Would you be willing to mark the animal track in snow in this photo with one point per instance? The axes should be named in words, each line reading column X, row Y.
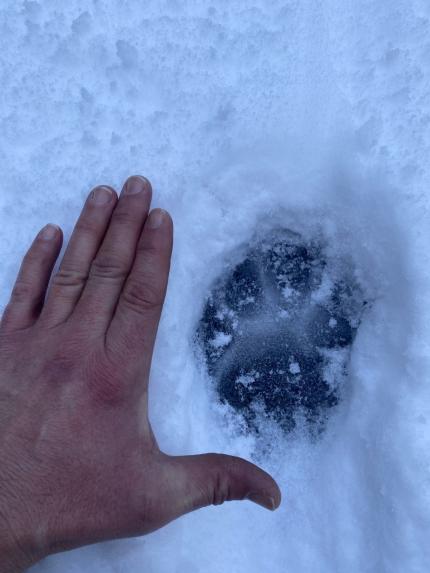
column 277, row 329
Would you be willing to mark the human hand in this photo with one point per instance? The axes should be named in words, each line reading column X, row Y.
column 79, row 461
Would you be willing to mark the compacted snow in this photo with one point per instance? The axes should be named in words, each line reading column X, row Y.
column 298, row 124
column 276, row 332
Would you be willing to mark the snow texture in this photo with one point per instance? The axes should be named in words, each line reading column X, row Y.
column 249, row 116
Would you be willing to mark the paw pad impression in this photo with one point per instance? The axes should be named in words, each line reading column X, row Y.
column 277, row 328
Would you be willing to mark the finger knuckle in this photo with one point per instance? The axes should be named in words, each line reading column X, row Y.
column 36, row 255
column 123, row 217
column 148, row 249
column 85, row 227
column 66, row 278
column 108, row 267
column 142, row 297
column 22, row 291
column 221, row 489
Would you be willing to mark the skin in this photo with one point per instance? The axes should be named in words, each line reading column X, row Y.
column 79, row 461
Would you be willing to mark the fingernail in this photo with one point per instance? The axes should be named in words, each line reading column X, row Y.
column 49, row 232
column 265, row 501
column 156, row 218
column 102, row 195
column 135, row 185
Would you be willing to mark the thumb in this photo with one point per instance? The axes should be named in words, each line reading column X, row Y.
column 212, row 479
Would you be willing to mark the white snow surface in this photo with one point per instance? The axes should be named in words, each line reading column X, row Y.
column 313, row 115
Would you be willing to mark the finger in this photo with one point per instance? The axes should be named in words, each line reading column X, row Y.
column 29, row 291
column 134, row 325
column 193, row 482
column 67, row 285
column 115, row 257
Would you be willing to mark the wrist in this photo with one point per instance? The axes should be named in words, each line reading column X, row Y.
column 15, row 556
column 16, row 549
column 10, row 561
column 11, row 558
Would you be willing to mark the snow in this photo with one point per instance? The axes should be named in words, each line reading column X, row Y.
column 221, row 340
column 312, row 116
column 295, row 368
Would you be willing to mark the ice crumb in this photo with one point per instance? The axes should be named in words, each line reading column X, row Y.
column 221, row 339
column 294, row 368
column 245, row 379
column 287, row 292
